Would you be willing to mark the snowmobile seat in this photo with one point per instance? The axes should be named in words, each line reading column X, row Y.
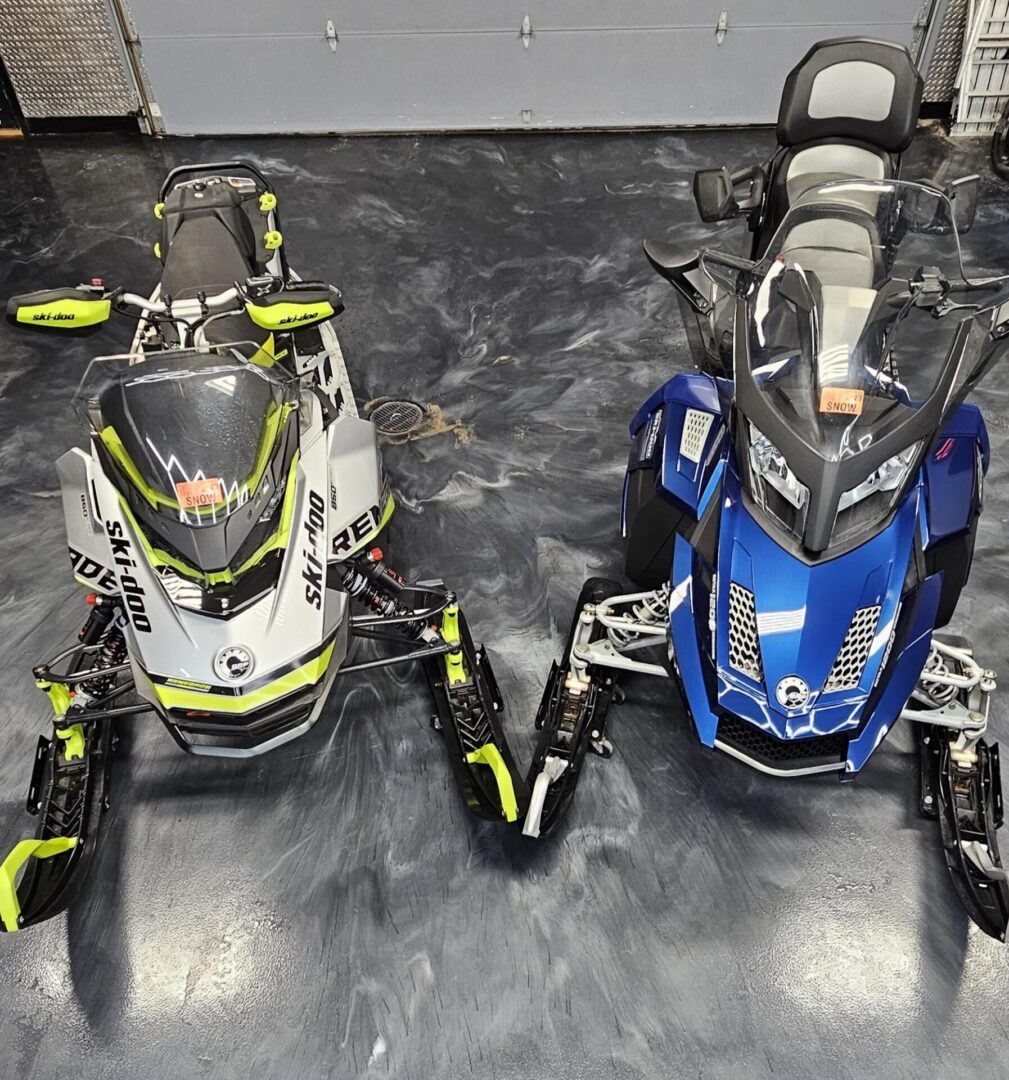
column 208, row 243
column 207, row 238
column 848, row 110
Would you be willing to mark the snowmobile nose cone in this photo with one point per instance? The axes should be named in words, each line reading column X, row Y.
column 792, row 692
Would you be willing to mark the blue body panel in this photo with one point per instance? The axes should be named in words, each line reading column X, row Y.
column 949, row 471
column 803, row 610
column 683, row 481
column 903, row 668
column 807, row 609
column 686, row 647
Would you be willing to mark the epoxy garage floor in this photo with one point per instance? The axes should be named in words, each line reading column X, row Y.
column 330, row 910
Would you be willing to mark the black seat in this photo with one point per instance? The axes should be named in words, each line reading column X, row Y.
column 848, row 110
column 207, row 244
column 207, row 239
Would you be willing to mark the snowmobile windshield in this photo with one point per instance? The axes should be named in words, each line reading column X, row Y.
column 842, row 339
column 198, row 444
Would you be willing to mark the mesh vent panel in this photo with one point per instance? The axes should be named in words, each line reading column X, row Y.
column 696, row 425
column 850, row 662
column 744, row 647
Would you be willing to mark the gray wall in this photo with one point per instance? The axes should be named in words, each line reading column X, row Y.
column 250, row 66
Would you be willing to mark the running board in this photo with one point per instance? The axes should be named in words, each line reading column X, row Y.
column 469, row 710
column 963, row 789
column 569, row 723
column 69, row 791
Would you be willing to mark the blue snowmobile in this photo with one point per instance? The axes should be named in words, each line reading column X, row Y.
column 799, row 515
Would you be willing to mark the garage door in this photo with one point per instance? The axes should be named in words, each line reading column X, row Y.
column 250, row 66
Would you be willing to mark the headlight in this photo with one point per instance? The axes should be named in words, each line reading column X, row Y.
column 888, row 477
column 773, row 485
column 866, row 503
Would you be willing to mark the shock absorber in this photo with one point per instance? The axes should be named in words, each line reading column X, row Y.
column 650, row 610
column 111, row 654
column 367, row 592
column 371, row 581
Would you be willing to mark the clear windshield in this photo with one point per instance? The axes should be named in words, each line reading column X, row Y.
column 836, row 342
column 191, row 432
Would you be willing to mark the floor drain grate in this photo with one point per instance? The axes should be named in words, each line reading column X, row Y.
column 397, row 417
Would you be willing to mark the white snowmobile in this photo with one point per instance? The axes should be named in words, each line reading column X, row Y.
column 223, row 518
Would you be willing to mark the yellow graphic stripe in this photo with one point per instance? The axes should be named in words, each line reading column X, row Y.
column 10, row 909
column 64, row 314
column 490, row 755
column 277, row 541
column 306, row 675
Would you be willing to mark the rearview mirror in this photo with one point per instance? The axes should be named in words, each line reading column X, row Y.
column 713, row 194
column 76, row 310
column 295, row 308
column 962, row 195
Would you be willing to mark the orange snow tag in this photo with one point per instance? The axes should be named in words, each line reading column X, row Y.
column 839, row 399
column 196, row 493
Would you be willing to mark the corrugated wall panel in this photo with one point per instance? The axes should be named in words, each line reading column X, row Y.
column 64, row 58
column 248, row 66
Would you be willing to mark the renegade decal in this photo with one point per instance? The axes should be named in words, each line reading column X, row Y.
column 132, row 590
column 85, row 567
column 357, row 531
column 315, row 527
column 188, row 684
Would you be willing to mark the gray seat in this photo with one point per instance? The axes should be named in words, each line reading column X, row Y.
column 848, row 110
column 838, row 251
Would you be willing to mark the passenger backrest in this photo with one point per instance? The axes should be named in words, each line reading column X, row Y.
column 852, row 89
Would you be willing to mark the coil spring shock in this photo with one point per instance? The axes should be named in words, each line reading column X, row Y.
column 935, row 691
column 111, row 654
column 359, row 586
column 652, row 609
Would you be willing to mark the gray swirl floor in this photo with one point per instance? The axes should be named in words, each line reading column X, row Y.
column 330, row 910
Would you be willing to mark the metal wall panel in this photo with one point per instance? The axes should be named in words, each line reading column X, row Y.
column 943, row 61
column 249, row 66
column 65, row 58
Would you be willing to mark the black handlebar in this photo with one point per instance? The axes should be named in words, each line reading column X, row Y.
column 723, row 258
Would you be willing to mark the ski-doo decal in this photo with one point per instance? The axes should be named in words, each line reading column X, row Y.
column 133, row 592
column 313, row 550
column 233, row 666
column 62, row 309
